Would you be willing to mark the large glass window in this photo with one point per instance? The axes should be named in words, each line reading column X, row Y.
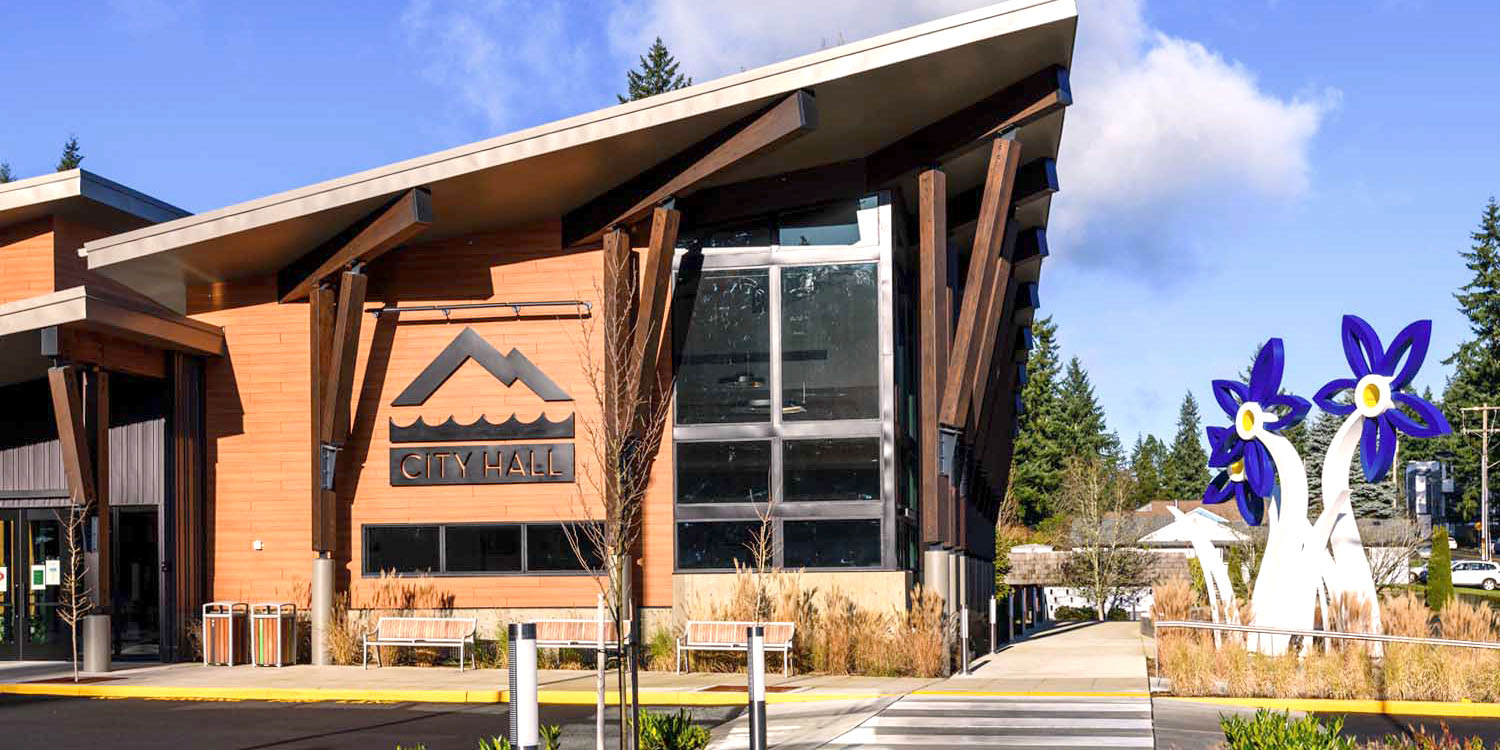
column 725, row 373
column 829, row 224
column 483, row 549
column 728, row 472
column 403, row 549
column 830, row 342
column 548, row 548
column 715, row 545
column 831, row 469
column 832, row 544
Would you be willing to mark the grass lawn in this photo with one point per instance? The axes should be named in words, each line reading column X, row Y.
column 1492, row 597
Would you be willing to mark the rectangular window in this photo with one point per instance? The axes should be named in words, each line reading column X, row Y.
column 715, row 545
column 832, row 544
column 748, row 233
column 829, row 224
column 729, row 472
column 831, row 469
column 403, row 549
column 725, row 373
column 547, row 548
column 830, row 335
column 482, row 549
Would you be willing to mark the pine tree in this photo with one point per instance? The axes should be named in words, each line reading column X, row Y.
column 5, row 174
column 1146, row 463
column 1186, row 468
column 71, row 157
column 657, row 74
column 1370, row 499
column 1082, row 429
column 1476, row 363
column 1036, row 468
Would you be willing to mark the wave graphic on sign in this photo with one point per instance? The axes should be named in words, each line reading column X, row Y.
column 481, row 429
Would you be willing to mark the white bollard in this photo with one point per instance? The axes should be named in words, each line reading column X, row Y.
column 523, row 692
column 963, row 626
column 994, row 630
column 757, row 676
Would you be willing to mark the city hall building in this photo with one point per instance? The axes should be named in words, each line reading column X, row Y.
column 826, row 269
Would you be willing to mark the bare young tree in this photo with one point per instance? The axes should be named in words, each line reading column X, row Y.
column 76, row 601
column 1106, row 565
column 622, row 443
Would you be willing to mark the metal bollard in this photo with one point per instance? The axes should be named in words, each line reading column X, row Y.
column 523, row 693
column 994, row 629
column 757, row 675
column 963, row 628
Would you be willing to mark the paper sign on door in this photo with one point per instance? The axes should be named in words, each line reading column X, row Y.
column 54, row 572
column 38, row 577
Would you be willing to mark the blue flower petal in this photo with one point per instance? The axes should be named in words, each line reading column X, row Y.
column 1295, row 410
column 1224, row 446
column 1230, row 394
column 1377, row 447
column 1265, row 374
column 1218, row 489
column 1260, row 474
column 1326, row 395
column 1361, row 346
column 1252, row 508
column 1410, row 343
column 1433, row 423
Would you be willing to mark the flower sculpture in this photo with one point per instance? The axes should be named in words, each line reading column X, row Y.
column 1257, row 409
column 1376, row 388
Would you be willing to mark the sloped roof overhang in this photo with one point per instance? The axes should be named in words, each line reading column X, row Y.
column 96, row 309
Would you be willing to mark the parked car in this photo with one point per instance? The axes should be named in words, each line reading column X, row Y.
column 1425, row 551
column 1485, row 575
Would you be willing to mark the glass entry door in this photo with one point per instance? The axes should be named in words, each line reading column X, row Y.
column 32, row 553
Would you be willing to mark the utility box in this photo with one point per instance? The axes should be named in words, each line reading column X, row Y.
column 225, row 633
column 273, row 628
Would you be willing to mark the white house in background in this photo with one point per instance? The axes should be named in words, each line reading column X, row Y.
column 1219, row 530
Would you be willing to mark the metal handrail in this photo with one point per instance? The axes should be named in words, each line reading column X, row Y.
column 1222, row 627
column 515, row 307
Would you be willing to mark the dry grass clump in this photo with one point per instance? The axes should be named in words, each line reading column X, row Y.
column 394, row 595
column 1173, row 600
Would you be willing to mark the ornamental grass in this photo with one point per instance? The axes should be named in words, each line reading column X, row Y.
column 1339, row 669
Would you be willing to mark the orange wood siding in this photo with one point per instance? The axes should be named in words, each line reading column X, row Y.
column 26, row 260
column 258, row 417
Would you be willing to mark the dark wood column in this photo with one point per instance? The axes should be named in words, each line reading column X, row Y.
column 186, row 512
column 934, row 322
column 320, row 332
column 97, row 397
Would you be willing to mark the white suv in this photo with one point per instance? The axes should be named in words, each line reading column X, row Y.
column 1485, row 575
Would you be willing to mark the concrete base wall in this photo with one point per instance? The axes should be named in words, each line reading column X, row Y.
column 694, row 595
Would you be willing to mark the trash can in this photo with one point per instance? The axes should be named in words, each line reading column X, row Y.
column 273, row 626
column 225, row 632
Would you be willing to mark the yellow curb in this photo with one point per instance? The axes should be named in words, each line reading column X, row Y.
column 1463, row 709
column 310, row 695
column 1037, row 693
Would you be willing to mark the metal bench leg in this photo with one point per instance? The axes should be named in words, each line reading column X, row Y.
column 786, row 663
column 364, row 654
column 460, row 657
column 679, row 657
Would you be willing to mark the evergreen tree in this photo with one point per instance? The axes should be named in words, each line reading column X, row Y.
column 1370, row 499
column 1476, row 364
column 1186, row 468
column 657, row 74
column 1147, row 461
column 1439, row 571
column 1082, row 431
column 71, row 157
column 1036, row 467
column 5, row 174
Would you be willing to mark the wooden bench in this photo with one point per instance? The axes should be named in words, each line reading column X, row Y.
column 439, row 632
column 576, row 634
column 708, row 635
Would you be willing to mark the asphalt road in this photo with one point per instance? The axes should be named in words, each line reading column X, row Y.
column 92, row 724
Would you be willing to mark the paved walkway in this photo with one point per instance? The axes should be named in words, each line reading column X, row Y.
column 946, row 721
column 1097, row 657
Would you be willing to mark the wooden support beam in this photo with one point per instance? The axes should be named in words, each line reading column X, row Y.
column 618, row 295
column 1012, row 107
column 67, row 408
column 655, row 303
column 338, row 382
column 98, row 411
column 1032, row 183
column 1005, row 155
column 790, row 190
column 363, row 242
column 934, row 321
column 1000, row 307
column 627, row 204
column 320, row 334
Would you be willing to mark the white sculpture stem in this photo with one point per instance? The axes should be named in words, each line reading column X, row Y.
column 1336, row 527
column 1284, row 596
column 1215, row 573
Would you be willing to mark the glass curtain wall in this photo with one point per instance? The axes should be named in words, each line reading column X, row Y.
column 784, row 388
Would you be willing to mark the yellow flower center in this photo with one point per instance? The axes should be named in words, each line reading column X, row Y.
column 1238, row 467
column 1370, row 394
column 1247, row 420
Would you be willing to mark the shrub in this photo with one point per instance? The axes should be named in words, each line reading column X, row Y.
column 661, row 650
column 493, row 743
column 674, row 731
column 1439, row 572
column 1424, row 741
column 551, row 735
column 1269, row 730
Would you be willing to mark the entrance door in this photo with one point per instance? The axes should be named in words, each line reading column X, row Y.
column 31, row 549
column 136, row 590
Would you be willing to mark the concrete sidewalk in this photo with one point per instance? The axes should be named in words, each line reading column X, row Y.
column 424, row 684
column 1065, row 658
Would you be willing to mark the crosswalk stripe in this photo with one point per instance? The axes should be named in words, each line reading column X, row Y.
column 943, row 722
column 996, row 722
column 1143, row 707
column 868, row 738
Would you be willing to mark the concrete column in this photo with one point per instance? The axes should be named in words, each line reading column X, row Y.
column 97, row 648
column 935, row 573
column 322, row 607
column 955, row 596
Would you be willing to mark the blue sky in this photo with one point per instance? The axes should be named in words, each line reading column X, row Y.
column 1232, row 170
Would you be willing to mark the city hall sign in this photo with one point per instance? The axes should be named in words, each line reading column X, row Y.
column 499, row 463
